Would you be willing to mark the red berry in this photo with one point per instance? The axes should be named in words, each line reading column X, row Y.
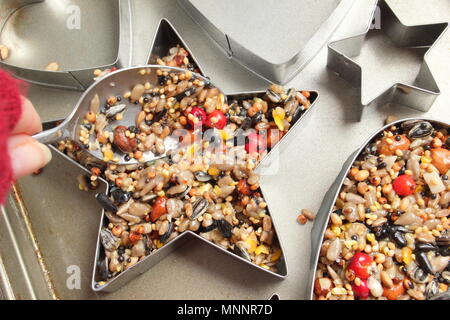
column 360, row 264
column 216, row 119
column 404, row 185
column 198, row 117
column 256, row 143
column 362, row 291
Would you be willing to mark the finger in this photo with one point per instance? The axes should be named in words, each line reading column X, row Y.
column 27, row 155
column 29, row 122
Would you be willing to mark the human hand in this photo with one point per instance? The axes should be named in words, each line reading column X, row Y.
column 27, row 155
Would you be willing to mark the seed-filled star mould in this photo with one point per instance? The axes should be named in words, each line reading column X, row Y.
column 208, row 188
column 422, row 93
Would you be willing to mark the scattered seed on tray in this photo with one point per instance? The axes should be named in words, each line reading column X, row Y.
column 302, row 219
column 38, row 172
column 390, row 119
column 309, row 214
column 4, row 52
column 53, row 66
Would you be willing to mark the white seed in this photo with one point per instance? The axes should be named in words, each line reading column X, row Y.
column 375, row 287
column 137, row 92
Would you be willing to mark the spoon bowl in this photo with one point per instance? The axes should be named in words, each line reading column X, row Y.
column 116, row 83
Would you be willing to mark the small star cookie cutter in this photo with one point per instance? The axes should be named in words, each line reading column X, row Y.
column 422, row 93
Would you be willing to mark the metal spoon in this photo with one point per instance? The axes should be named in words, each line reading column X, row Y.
column 113, row 84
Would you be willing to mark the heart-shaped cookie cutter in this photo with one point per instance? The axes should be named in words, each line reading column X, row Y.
column 70, row 79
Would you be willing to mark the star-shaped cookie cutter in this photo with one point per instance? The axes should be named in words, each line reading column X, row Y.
column 419, row 96
column 165, row 38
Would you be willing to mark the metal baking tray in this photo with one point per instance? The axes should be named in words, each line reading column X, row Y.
column 43, row 255
column 321, row 221
column 36, row 264
column 299, row 27
column 98, row 37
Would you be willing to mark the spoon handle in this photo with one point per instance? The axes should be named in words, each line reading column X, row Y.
column 50, row 136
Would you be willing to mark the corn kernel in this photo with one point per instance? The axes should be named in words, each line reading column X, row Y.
column 262, row 249
column 406, row 255
column 213, row 171
column 276, row 256
column 370, row 237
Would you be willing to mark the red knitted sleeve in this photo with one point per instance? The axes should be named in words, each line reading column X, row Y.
column 10, row 110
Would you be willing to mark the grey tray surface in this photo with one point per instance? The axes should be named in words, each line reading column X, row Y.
column 307, row 168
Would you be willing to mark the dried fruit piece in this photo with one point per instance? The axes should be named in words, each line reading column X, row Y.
column 278, row 116
column 124, row 143
column 389, row 145
column 393, row 293
column 158, row 209
column 244, row 188
column 261, row 249
column 135, row 237
column 434, row 182
column 441, row 159
column 251, row 242
column 106, row 202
